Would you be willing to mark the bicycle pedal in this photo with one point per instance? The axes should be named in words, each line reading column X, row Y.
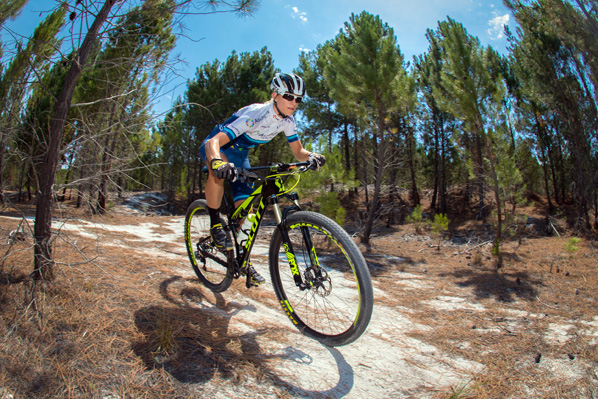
column 199, row 256
column 250, row 284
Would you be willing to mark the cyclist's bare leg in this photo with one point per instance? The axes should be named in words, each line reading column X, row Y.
column 215, row 188
column 214, row 191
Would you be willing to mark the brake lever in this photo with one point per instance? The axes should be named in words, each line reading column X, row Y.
column 246, row 176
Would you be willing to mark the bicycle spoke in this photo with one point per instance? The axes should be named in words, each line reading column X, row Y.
column 209, row 264
column 332, row 302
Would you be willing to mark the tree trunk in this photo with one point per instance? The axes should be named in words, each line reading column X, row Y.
column 347, row 147
column 67, row 177
column 109, row 148
column 30, row 180
column 43, row 260
column 21, row 178
column 2, row 147
column 356, row 159
column 498, row 236
column 379, row 147
column 442, row 174
column 411, row 152
column 436, row 158
column 546, row 184
column 105, row 170
column 479, row 174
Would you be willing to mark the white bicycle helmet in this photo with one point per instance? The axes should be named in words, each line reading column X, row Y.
column 283, row 83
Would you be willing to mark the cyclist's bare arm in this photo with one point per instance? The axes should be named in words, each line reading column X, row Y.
column 300, row 153
column 213, row 146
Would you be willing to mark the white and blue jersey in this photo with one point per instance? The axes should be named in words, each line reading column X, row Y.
column 249, row 127
column 255, row 125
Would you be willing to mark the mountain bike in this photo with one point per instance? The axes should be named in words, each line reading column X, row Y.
column 319, row 275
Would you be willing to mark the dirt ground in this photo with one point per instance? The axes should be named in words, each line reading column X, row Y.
column 126, row 317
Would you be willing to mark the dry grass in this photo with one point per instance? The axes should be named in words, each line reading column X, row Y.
column 120, row 324
column 506, row 317
column 115, row 323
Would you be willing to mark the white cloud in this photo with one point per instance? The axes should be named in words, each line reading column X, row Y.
column 299, row 14
column 304, row 49
column 497, row 25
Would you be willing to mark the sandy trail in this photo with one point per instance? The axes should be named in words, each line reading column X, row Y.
column 384, row 362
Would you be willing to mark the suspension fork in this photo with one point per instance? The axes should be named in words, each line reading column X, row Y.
column 281, row 218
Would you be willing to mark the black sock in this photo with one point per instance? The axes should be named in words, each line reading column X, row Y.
column 214, row 216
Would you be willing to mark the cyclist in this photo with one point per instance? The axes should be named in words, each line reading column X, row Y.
column 227, row 147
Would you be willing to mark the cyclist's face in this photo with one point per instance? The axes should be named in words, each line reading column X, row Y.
column 287, row 107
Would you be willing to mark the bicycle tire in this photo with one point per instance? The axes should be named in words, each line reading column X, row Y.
column 338, row 311
column 211, row 266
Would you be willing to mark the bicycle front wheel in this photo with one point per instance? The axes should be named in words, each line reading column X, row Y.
column 210, row 265
column 335, row 303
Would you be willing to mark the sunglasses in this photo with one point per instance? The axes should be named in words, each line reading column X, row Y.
column 290, row 97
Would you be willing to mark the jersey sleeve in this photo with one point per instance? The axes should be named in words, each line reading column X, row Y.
column 290, row 131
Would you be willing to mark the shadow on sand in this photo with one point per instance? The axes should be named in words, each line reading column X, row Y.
column 191, row 340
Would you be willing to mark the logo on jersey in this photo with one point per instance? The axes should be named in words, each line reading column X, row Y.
column 250, row 123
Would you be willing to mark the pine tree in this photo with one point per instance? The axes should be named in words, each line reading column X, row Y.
column 559, row 88
column 364, row 65
column 9, row 9
column 472, row 89
column 29, row 61
column 437, row 125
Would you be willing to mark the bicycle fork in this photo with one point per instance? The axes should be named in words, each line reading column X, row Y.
column 313, row 272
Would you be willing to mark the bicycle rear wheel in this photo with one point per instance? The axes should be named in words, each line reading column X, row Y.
column 210, row 265
column 336, row 303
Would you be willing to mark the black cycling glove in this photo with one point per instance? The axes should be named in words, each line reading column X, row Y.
column 224, row 170
column 316, row 161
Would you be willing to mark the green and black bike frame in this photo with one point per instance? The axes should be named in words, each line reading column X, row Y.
column 270, row 192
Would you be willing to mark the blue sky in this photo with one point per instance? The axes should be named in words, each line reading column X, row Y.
column 288, row 27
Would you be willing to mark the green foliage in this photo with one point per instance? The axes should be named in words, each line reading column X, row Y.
column 461, row 391
column 332, row 174
column 417, row 218
column 9, row 9
column 526, row 122
column 572, row 246
column 363, row 72
column 439, row 226
column 352, row 73
column 331, row 177
column 165, row 334
column 510, row 179
column 324, row 115
column 528, row 165
column 331, row 207
column 32, row 131
column 554, row 65
column 440, row 223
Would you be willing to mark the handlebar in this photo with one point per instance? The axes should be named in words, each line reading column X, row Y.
column 248, row 174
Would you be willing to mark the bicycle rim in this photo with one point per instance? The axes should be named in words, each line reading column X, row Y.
column 337, row 306
column 210, row 265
